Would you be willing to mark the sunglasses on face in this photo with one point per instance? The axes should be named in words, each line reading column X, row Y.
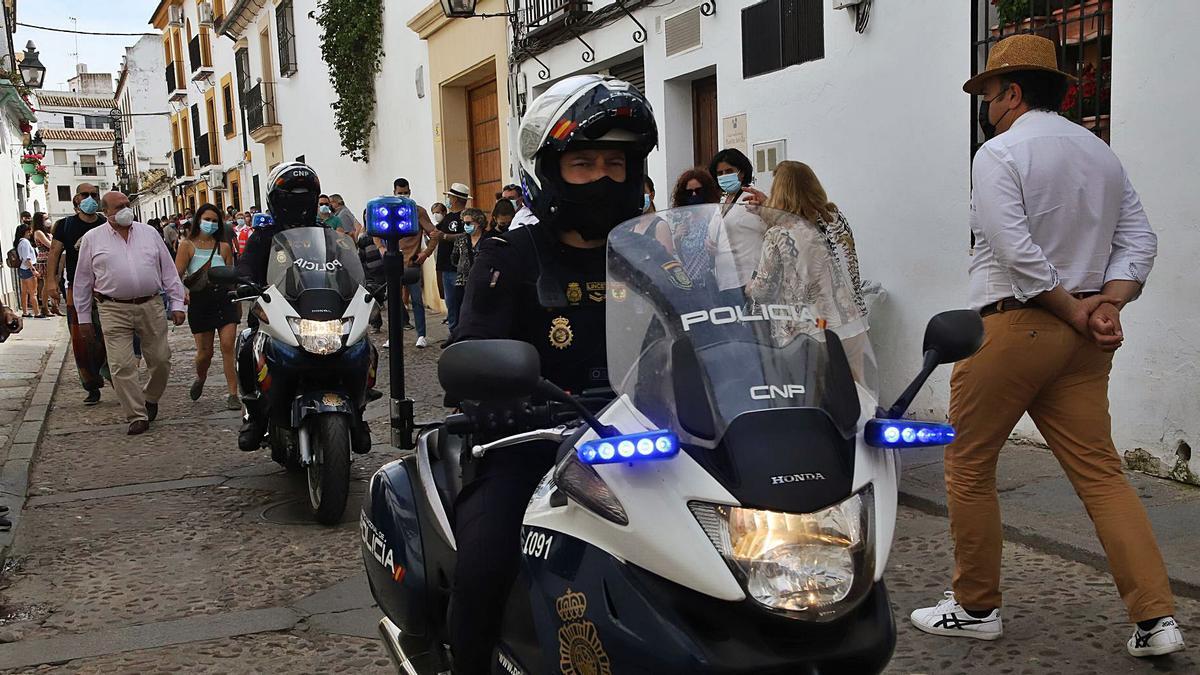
column 695, row 192
column 93, row 195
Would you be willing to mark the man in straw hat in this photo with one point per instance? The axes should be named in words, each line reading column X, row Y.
column 451, row 228
column 1062, row 246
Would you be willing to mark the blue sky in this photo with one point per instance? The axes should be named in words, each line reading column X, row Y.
column 101, row 54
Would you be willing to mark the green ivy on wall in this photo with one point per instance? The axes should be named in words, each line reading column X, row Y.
column 352, row 46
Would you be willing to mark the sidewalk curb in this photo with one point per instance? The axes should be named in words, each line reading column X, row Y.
column 1043, row 543
column 14, row 476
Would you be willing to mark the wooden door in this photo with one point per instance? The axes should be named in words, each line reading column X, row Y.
column 484, row 120
column 704, row 119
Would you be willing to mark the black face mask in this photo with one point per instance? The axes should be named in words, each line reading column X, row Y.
column 592, row 209
column 985, row 124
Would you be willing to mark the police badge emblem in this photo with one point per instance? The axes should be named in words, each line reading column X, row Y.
column 580, row 651
column 677, row 276
column 281, row 257
column 561, row 335
column 574, row 293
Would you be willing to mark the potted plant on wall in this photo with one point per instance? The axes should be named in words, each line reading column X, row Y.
column 39, row 174
column 30, row 162
column 1084, row 20
column 1022, row 16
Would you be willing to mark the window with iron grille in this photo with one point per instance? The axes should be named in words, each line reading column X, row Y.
column 1082, row 33
column 781, row 33
column 286, row 31
column 241, row 60
column 227, row 99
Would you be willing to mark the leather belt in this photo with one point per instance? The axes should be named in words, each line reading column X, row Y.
column 100, row 297
column 1009, row 304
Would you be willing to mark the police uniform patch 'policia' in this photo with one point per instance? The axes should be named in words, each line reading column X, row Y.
column 561, row 335
column 574, row 292
column 677, row 276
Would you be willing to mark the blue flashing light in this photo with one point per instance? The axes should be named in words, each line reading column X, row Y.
column 650, row 445
column 260, row 220
column 392, row 217
column 907, row 434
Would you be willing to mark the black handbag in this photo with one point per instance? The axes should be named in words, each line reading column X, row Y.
column 198, row 281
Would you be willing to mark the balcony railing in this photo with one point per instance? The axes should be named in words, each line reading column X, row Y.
column 93, row 169
column 204, row 151
column 177, row 160
column 171, row 78
column 199, row 54
column 542, row 13
column 260, row 108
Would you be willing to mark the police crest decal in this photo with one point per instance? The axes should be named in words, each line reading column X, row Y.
column 579, row 649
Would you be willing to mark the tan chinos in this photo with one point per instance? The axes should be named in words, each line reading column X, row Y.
column 1033, row 362
column 121, row 321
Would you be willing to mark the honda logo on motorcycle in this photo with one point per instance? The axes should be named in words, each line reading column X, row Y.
column 768, row 392
column 796, row 478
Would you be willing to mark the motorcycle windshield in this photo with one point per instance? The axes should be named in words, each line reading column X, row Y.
column 753, row 309
column 306, row 258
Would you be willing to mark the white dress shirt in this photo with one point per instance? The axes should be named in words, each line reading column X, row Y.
column 1051, row 205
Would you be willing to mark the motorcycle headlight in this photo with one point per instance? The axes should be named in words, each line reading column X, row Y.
column 817, row 565
column 320, row 337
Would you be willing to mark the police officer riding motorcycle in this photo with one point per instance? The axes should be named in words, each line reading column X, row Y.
column 583, row 148
column 305, row 366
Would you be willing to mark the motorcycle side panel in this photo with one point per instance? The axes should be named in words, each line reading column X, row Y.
column 392, row 546
column 361, row 306
column 277, row 309
column 595, row 614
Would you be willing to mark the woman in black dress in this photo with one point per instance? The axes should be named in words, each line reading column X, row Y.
column 210, row 311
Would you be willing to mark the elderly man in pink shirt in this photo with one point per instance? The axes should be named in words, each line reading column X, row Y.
column 123, row 265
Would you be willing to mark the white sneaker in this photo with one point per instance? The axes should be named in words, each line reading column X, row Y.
column 949, row 618
column 1163, row 638
column 422, row 343
column 387, row 343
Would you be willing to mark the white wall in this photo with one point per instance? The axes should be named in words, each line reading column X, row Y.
column 149, row 137
column 1155, row 389
column 401, row 144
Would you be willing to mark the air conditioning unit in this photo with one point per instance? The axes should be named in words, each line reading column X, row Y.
column 175, row 15
column 216, row 179
column 205, row 10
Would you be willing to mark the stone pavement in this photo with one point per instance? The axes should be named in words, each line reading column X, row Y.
column 173, row 550
column 1040, row 509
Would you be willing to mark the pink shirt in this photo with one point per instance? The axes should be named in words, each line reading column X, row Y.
column 124, row 270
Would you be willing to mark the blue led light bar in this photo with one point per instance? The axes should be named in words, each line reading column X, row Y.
column 643, row 447
column 907, row 434
column 392, row 217
column 261, row 220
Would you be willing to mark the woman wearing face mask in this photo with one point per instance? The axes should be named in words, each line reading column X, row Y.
column 797, row 254
column 210, row 311
column 734, row 175
column 42, row 241
column 475, row 225
column 695, row 237
column 27, row 272
column 654, row 227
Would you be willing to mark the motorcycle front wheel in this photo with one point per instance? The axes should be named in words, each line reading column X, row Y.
column 329, row 473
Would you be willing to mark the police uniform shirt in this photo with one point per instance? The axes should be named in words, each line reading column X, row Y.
column 502, row 302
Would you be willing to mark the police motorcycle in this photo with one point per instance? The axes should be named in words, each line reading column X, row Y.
column 729, row 508
column 313, row 362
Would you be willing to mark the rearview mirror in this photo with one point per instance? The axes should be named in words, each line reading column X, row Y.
column 954, row 335
column 481, row 370
column 223, row 275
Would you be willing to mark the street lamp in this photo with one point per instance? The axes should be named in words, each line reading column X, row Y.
column 465, row 9
column 32, row 70
column 37, row 145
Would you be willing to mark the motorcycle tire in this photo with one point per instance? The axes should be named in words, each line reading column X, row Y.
column 328, row 477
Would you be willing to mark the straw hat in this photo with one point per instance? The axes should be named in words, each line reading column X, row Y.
column 1018, row 52
column 459, row 190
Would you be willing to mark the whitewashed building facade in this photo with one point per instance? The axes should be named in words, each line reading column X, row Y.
column 76, row 127
column 145, row 128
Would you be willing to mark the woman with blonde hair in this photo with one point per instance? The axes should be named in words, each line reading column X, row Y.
column 810, row 260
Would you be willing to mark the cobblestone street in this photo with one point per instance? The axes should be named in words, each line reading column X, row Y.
column 177, row 553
